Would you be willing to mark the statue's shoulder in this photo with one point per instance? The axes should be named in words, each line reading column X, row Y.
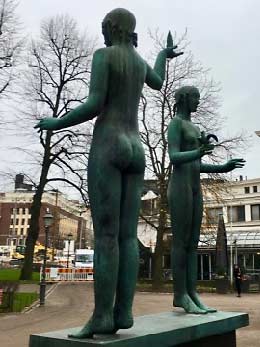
column 101, row 51
column 175, row 128
column 176, row 122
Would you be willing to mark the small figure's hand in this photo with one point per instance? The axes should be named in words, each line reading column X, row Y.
column 206, row 149
column 48, row 124
column 235, row 164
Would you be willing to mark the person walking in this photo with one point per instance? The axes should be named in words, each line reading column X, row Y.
column 238, row 279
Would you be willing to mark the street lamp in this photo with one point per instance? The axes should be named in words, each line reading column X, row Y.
column 152, row 249
column 47, row 220
column 69, row 237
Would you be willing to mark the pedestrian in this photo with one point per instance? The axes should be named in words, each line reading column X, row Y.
column 238, row 279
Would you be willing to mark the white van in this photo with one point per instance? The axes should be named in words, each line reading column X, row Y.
column 84, row 258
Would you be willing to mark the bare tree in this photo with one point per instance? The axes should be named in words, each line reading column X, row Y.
column 10, row 44
column 156, row 111
column 56, row 80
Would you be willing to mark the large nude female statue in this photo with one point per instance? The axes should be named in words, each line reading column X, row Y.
column 116, row 166
column 187, row 145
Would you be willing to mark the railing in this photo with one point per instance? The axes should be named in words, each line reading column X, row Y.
column 70, row 274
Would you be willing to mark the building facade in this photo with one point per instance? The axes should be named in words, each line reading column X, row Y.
column 69, row 218
column 239, row 203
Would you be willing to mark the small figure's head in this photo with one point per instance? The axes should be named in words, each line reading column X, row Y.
column 188, row 96
column 118, row 27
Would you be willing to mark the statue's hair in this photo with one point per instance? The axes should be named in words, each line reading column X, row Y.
column 182, row 92
column 122, row 21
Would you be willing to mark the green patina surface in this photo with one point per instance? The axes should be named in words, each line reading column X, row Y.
column 158, row 330
column 116, row 165
column 187, row 146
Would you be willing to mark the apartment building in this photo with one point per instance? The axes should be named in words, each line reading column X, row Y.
column 69, row 217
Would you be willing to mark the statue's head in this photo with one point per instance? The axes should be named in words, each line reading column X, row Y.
column 118, row 27
column 188, row 96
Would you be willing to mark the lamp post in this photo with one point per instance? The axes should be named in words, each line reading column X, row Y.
column 47, row 219
column 152, row 249
column 235, row 244
column 69, row 236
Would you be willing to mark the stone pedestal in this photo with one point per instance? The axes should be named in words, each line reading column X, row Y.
column 159, row 330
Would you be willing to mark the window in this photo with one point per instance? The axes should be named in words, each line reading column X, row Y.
column 14, row 210
column 148, row 207
column 255, row 189
column 23, row 221
column 255, row 212
column 16, row 221
column 247, row 190
column 212, row 214
column 236, row 213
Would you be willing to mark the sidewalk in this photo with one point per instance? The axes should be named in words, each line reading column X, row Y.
column 70, row 305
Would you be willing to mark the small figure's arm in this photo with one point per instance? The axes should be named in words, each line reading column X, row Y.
column 174, row 142
column 94, row 103
column 228, row 166
column 155, row 77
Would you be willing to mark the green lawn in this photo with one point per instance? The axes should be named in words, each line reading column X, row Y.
column 22, row 300
column 17, row 302
column 14, row 274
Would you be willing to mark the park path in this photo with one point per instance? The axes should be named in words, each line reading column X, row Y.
column 70, row 305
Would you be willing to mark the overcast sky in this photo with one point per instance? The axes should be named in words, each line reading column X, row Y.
column 224, row 35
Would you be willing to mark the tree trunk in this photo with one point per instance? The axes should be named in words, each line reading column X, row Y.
column 162, row 224
column 33, row 232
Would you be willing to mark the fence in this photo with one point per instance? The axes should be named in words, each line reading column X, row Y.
column 70, row 274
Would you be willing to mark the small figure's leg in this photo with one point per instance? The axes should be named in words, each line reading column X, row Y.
column 181, row 218
column 193, row 255
column 132, row 185
column 104, row 182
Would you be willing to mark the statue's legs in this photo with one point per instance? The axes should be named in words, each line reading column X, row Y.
column 105, row 185
column 181, row 216
column 192, row 252
column 132, row 185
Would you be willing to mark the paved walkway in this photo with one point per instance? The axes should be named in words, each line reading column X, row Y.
column 70, row 305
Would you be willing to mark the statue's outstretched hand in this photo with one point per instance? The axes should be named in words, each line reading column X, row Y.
column 48, row 124
column 171, row 53
column 235, row 164
column 170, row 49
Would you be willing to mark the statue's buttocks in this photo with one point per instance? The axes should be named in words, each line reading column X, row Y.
column 122, row 149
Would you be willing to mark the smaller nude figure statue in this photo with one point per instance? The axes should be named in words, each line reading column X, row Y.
column 187, row 145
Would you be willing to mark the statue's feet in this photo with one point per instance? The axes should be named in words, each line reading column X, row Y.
column 123, row 319
column 196, row 299
column 96, row 325
column 189, row 306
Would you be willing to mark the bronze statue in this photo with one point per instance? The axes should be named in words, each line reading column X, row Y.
column 116, row 166
column 187, row 146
